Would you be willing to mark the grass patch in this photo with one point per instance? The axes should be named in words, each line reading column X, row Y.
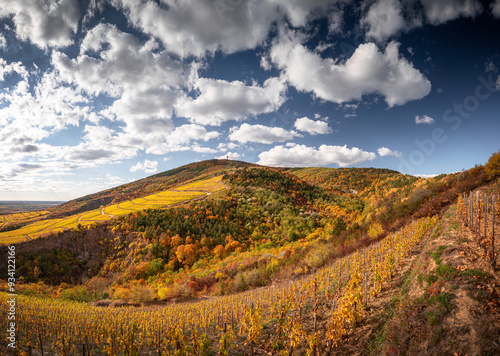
column 476, row 273
column 431, row 279
column 446, row 272
column 437, row 307
column 437, row 232
column 436, row 255
column 375, row 343
column 443, row 298
column 406, row 284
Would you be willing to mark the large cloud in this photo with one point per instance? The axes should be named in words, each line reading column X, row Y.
column 111, row 61
column 28, row 116
column 305, row 156
column 220, row 101
column 143, row 82
column 260, row 134
column 384, row 19
column 442, row 11
column 192, row 27
column 367, row 71
column 45, row 23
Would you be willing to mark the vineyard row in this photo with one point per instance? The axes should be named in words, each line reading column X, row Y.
column 478, row 212
column 311, row 315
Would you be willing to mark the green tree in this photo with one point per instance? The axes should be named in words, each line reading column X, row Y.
column 338, row 226
column 492, row 167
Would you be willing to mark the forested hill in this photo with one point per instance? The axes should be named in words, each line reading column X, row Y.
column 342, row 181
column 352, row 180
column 149, row 185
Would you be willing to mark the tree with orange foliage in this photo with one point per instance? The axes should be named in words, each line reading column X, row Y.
column 219, row 251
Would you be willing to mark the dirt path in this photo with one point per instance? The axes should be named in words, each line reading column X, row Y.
column 444, row 300
column 103, row 213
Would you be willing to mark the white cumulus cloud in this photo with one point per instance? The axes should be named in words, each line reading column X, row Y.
column 305, row 156
column 425, row 175
column 146, row 166
column 220, row 100
column 311, row 126
column 384, row 151
column 424, row 119
column 192, row 27
column 13, row 67
column 260, row 134
column 44, row 23
column 442, row 11
column 367, row 71
column 3, row 41
column 384, row 19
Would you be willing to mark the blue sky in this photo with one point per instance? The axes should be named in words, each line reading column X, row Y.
column 94, row 94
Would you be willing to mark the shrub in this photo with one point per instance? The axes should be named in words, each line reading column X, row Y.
column 77, row 293
column 375, row 230
column 141, row 294
column 176, row 290
column 255, row 278
column 239, row 284
column 122, row 293
column 96, row 286
column 492, row 167
column 316, row 257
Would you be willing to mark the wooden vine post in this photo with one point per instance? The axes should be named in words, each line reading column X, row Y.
column 471, row 212
column 478, row 214
column 463, row 209
column 486, row 201
column 366, row 277
column 493, row 231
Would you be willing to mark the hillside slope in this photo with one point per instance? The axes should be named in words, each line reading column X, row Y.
column 222, row 244
column 149, row 185
column 271, row 238
column 440, row 297
column 444, row 300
